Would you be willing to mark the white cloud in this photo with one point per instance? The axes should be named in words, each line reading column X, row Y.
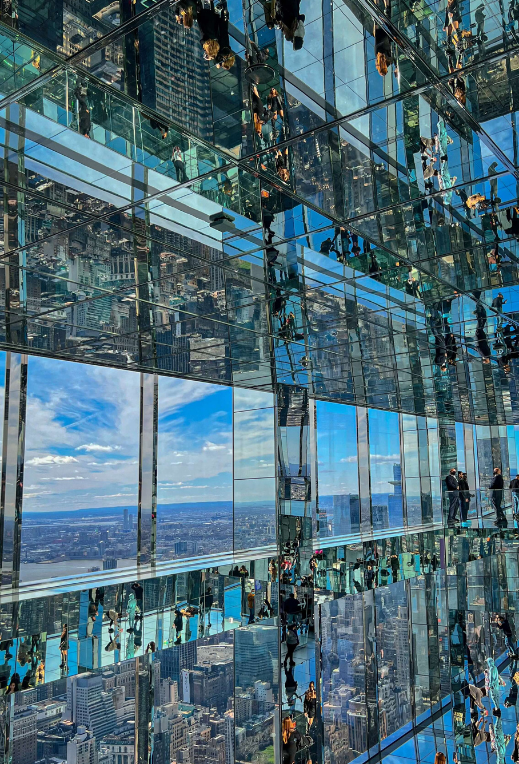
column 37, row 461
column 381, row 458
column 96, row 447
column 77, row 477
column 214, row 447
column 378, row 458
column 176, row 393
column 114, row 495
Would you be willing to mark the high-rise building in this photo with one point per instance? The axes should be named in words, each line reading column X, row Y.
column 25, row 735
column 82, row 748
column 177, row 658
column 88, row 705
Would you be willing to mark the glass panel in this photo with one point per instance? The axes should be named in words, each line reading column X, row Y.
column 194, row 472
column 254, row 453
column 81, row 470
column 386, row 471
column 339, row 508
column 254, row 513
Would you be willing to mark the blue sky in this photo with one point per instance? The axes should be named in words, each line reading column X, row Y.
column 195, row 442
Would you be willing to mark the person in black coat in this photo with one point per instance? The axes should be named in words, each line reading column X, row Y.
column 225, row 57
column 496, row 495
column 515, row 753
column 482, row 345
column 451, row 482
column 451, row 347
column 291, row 21
column 209, row 25
column 463, row 486
column 259, row 113
column 514, row 487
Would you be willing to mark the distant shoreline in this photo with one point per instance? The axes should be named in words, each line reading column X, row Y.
column 209, row 507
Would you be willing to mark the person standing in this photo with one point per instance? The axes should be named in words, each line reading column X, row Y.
column 208, row 604
column 451, row 482
column 496, row 495
column 292, row 642
column 504, row 624
column 250, row 605
column 178, row 623
column 179, row 165
column 514, row 487
column 310, row 704
column 463, row 486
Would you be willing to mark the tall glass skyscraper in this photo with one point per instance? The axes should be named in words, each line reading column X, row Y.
column 259, row 342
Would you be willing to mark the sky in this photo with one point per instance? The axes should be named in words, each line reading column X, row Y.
column 82, row 436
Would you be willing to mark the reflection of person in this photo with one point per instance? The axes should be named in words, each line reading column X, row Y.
column 289, row 738
column 515, row 752
column 492, row 683
column 504, row 624
column 208, row 604
column 130, row 647
column 476, row 697
column 63, row 646
column 225, row 58
column 291, row 21
column 282, row 165
column 138, row 591
column 310, row 704
column 250, row 605
column 481, row 342
column 290, row 687
column 259, row 114
column 292, row 642
column 383, row 51
column 131, row 607
column 292, row 608
column 514, row 487
column 500, row 740
column 464, row 495
column 479, row 734
column 209, row 27
column 496, row 488
column 454, row 498
column 178, row 623
column 179, row 165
